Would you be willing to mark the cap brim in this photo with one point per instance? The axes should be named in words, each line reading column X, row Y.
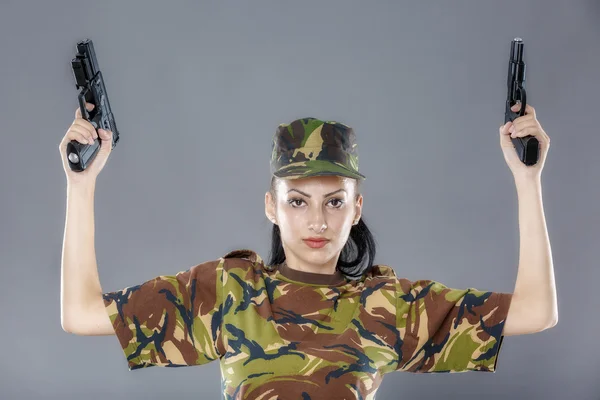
column 316, row 168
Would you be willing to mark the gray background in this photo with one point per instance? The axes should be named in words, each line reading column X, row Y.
column 197, row 90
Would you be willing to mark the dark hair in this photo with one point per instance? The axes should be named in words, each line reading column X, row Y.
column 356, row 258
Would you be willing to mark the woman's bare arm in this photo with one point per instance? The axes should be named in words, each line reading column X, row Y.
column 82, row 305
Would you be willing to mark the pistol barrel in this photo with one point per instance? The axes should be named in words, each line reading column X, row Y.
column 516, row 50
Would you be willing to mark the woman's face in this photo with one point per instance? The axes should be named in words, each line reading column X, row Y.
column 322, row 206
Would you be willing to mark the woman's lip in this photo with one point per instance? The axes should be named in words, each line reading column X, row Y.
column 316, row 244
column 314, row 240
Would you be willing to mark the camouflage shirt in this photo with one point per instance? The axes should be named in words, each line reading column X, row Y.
column 303, row 338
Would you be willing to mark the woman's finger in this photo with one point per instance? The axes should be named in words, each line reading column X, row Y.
column 78, row 132
column 88, row 106
column 87, row 126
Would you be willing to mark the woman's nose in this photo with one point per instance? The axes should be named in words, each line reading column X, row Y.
column 317, row 221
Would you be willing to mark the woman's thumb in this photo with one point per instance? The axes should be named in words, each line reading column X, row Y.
column 106, row 137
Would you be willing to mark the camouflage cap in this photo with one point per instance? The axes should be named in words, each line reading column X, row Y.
column 309, row 147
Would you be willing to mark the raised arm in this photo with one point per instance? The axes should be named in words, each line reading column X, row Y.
column 82, row 309
column 82, row 306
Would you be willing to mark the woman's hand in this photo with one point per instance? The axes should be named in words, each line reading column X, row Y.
column 84, row 132
column 524, row 126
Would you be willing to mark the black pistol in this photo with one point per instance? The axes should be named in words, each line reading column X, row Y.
column 88, row 79
column 527, row 147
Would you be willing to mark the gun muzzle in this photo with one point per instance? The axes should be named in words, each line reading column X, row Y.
column 517, row 66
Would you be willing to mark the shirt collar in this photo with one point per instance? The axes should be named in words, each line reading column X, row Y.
column 311, row 277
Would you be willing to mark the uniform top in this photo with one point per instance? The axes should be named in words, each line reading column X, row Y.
column 278, row 331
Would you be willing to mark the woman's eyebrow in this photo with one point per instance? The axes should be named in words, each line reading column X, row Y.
column 325, row 195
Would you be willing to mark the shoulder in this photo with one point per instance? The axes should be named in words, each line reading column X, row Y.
column 242, row 258
column 381, row 271
column 239, row 258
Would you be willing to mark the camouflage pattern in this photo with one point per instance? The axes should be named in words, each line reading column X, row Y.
column 274, row 336
column 309, row 146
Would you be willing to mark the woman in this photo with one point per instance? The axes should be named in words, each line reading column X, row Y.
column 319, row 320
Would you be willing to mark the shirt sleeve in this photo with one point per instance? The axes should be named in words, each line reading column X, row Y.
column 170, row 320
column 449, row 330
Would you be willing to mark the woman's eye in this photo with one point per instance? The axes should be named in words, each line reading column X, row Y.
column 340, row 202
column 295, row 201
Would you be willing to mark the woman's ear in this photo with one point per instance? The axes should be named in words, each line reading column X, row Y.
column 270, row 208
column 358, row 209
